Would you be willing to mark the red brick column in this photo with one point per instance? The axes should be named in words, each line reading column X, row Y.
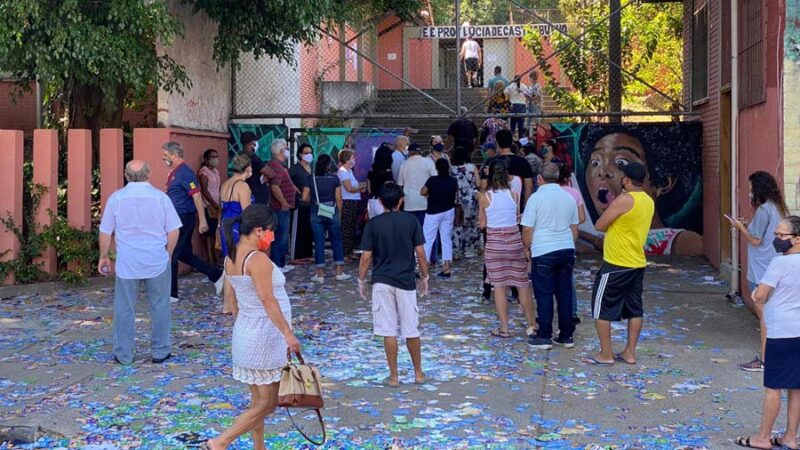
column 11, row 183
column 45, row 172
column 79, row 178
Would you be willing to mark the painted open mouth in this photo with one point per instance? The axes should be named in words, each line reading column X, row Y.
column 605, row 195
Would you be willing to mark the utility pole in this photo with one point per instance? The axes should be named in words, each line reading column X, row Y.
column 615, row 61
column 458, row 56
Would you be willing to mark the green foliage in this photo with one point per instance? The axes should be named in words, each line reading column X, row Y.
column 76, row 250
column 484, row 12
column 89, row 54
column 273, row 27
column 651, row 43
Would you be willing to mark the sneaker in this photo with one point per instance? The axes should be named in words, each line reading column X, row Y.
column 219, row 284
column 318, row 279
column 443, row 274
column 576, row 320
column 174, row 299
column 540, row 343
column 756, row 365
column 343, row 277
column 287, row 268
column 161, row 360
column 566, row 343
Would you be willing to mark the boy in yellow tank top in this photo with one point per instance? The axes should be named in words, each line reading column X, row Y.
column 617, row 292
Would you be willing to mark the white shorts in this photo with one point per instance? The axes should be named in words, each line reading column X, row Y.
column 394, row 309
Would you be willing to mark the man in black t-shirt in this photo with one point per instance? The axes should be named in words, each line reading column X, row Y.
column 259, row 188
column 463, row 132
column 392, row 239
column 515, row 164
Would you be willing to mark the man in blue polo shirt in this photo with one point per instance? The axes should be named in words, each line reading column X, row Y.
column 184, row 191
column 550, row 224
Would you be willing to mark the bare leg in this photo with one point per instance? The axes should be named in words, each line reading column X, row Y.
column 526, row 301
column 390, row 347
column 258, row 431
column 634, row 329
column 762, row 328
column 320, row 272
column 339, row 269
column 501, row 304
column 789, row 438
column 771, row 409
column 415, row 350
column 227, row 297
column 604, row 333
column 262, row 406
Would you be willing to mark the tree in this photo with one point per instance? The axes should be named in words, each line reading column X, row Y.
column 88, row 55
column 92, row 55
column 651, row 48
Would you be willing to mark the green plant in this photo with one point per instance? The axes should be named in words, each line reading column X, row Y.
column 76, row 250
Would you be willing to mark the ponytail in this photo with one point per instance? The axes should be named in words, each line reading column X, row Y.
column 227, row 231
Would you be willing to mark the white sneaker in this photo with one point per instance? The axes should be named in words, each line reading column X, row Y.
column 318, row 279
column 343, row 277
column 219, row 284
column 287, row 268
column 174, row 299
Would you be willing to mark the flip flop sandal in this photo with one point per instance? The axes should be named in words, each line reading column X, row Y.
column 531, row 330
column 425, row 380
column 618, row 357
column 386, row 383
column 501, row 334
column 745, row 442
column 594, row 362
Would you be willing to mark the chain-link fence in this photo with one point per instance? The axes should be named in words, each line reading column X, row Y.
column 420, row 73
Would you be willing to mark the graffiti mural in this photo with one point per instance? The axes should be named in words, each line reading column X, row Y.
column 324, row 140
column 365, row 141
column 670, row 151
column 265, row 134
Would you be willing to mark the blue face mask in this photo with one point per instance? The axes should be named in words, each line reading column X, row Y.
column 782, row 245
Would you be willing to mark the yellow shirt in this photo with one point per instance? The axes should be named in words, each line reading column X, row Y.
column 624, row 241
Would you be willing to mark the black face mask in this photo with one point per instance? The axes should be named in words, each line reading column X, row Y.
column 782, row 245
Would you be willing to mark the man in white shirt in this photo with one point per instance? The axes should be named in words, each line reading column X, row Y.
column 413, row 175
column 399, row 155
column 471, row 57
column 550, row 224
column 516, row 94
column 146, row 227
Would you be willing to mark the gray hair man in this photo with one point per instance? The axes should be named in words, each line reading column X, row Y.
column 184, row 191
column 399, row 155
column 550, row 228
column 282, row 202
column 145, row 225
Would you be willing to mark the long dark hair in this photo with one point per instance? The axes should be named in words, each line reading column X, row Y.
column 323, row 165
column 461, row 156
column 257, row 215
column 765, row 189
column 383, row 159
column 442, row 167
column 205, row 157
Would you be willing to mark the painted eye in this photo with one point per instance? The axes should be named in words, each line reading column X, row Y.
column 594, row 163
column 621, row 162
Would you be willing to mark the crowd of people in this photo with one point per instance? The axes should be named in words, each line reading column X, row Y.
column 420, row 207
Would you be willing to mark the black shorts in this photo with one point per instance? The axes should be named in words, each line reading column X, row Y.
column 617, row 293
column 472, row 64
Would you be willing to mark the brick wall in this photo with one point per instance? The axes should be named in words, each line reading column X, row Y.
column 19, row 115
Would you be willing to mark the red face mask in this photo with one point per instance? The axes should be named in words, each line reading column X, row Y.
column 266, row 240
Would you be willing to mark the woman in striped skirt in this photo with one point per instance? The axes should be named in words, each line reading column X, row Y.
column 506, row 261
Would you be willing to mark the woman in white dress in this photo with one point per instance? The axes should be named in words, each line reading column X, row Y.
column 262, row 332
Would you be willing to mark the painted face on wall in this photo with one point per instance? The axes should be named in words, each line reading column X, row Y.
column 604, row 169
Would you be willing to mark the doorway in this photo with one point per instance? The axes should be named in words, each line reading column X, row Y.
column 448, row 60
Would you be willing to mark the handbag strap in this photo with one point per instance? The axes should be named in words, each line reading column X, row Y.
column 302, row 433
column 289, row 356
column 316, row 188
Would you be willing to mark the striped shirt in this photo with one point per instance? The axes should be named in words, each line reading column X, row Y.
column 284, row 182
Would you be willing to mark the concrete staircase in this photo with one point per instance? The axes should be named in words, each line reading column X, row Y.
column 408, row 103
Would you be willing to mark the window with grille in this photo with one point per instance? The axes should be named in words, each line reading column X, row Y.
column 752, row 79
column 700, row 51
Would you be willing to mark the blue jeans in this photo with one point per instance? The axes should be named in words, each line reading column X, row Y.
column 552, row 275
column 281, row 245
column 183, row 253
column 319, row 225
column 126, row 292
column 518, row 122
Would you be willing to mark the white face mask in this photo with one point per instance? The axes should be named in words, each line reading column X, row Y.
column 213, row 162
column 255, row 146
column 286, row 153
column 308, row 158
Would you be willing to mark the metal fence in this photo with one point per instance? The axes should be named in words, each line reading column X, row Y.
column 394, row 73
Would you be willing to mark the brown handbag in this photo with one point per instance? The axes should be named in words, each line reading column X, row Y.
column 300, row 387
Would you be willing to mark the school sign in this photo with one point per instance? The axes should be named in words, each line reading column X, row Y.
column 489, row 31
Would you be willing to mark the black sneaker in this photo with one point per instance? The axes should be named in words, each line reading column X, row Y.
column 576, row 320
column 566, row 343
column 161, row 360
column 540, row 343
column 443, row 274
column 756, row 365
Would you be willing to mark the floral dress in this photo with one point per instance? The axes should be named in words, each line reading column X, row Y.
column 467, row 237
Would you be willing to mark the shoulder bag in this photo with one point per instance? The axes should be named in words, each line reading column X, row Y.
column 300, row 388
column 322, row 209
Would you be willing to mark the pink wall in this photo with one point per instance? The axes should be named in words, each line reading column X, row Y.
column 760, row 147
column 420, row 71
column 391, row 42
column 10, row 191
column 524, row 60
